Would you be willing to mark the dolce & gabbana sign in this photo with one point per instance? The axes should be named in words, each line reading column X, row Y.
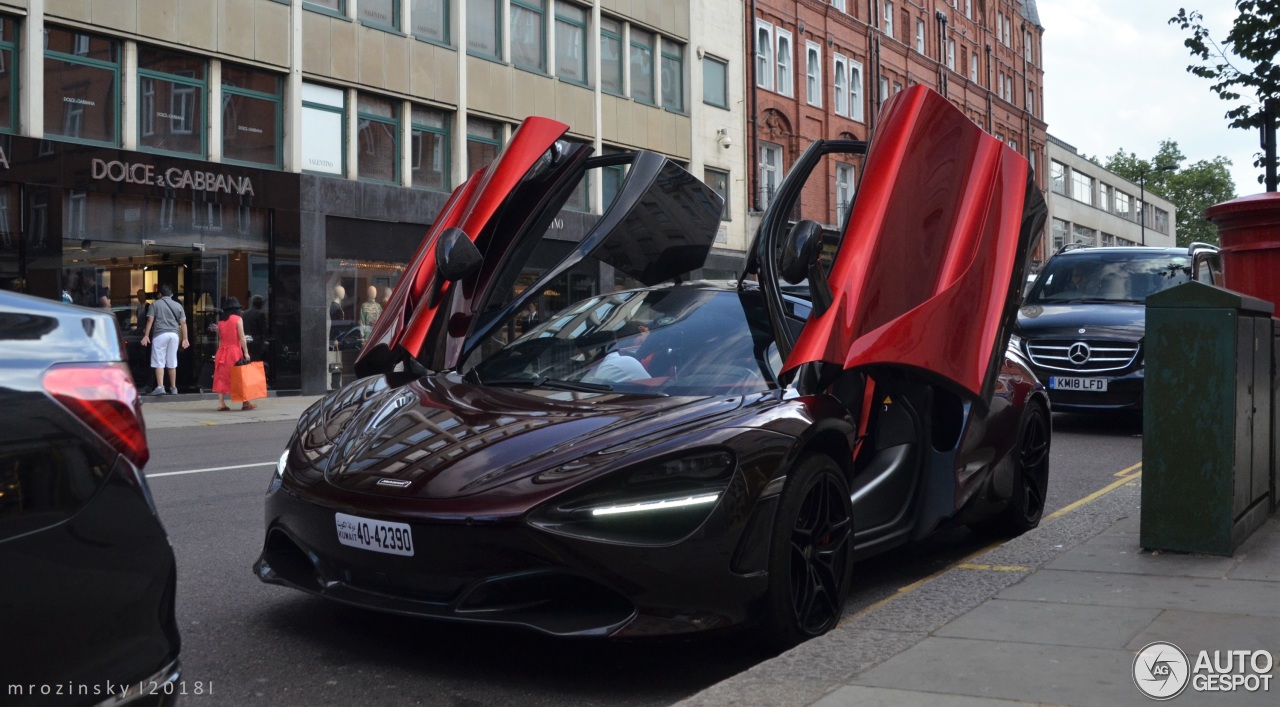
column 173, row 177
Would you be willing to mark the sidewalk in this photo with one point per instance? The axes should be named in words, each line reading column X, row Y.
column 1056, row 616
column 168, row 411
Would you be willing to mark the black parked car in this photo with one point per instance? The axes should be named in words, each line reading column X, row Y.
column 86, row 601
column 1082, row 324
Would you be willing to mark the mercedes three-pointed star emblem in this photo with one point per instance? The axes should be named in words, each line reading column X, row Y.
column 1078, row 353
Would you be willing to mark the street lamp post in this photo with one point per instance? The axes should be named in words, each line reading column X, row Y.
column 1142, row 196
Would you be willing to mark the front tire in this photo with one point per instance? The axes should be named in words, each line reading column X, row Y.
column 1031, row 482
column 810, row 553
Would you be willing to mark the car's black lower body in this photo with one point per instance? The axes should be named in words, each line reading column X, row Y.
column 509, row 572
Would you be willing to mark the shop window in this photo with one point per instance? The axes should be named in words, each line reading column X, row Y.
column 484, row 141
column 323, row 118
column 328, row 7
column 484, row 31
column 611, row 56
column 378, row 138
column 382, row 14
column 8, row 75
column 430, row 20
column 715, row 82
column 642, row 66
column 358, row 292
column 430, row 149
column 672, row 76
column 571, row 42
column 529, row 34
column 171, row 95
column 82, row 87
column 251, row 121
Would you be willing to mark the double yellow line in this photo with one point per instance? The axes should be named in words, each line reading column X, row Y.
column 1124, row 476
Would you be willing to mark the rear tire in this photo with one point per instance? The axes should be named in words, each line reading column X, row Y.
column 1031, row 480
column 810, row 553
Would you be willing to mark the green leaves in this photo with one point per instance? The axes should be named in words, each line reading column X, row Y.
column 1191, row 189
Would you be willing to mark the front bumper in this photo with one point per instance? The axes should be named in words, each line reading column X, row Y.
column 1124, row 393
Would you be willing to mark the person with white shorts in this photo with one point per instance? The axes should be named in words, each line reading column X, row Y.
column 166, row 331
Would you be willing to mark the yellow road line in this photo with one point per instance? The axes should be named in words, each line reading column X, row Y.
column 1126, row 475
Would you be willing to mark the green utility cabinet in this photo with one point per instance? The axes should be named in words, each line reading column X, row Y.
column 1206, row 452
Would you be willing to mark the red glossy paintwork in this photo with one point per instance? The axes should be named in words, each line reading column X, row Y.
column 938, row 212
column 470, row 208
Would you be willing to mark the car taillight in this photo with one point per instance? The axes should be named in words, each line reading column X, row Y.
column 102, row 396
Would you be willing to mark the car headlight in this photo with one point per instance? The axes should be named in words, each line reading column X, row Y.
column 654, row 503
column 278, row 477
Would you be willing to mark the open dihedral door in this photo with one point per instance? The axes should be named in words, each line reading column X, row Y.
column 936, row 245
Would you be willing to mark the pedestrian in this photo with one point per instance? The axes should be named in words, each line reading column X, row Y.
column 140, row 313
column 255, row 327
column 166, row 331
column 232, row 347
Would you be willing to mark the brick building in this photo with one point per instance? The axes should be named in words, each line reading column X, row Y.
column 822, row 68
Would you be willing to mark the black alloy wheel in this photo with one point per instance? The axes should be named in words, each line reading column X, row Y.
column 1031, row 480
column 810, row 558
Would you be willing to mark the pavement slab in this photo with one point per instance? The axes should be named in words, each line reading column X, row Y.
column 862, row 696
column 1147, row 591
column 1195, row 631
column 1078, row 625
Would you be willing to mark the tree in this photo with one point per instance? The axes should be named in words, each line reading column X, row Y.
column 1191, row 189
column 1253, row 38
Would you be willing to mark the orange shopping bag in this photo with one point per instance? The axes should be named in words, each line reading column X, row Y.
column 248, row 382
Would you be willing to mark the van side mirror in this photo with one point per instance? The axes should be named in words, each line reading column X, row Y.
column 456, row 256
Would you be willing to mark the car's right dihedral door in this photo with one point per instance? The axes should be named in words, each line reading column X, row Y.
column 937, row 241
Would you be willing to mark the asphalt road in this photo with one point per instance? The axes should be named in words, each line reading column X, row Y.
column 256, row 644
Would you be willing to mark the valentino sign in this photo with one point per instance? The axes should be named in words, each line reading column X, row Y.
column 174, row 177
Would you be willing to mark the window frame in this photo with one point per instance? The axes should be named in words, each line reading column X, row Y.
column 342, row 115
column 116, row 70
column 623, row 55
column 920, row 35
column 857, row 110
column 278, row 100
column 447, row 26
column 584, row 27
column 776, row 172
column 632, row 46
column 724, row 65
column 341, row 12
column 447, row 142
column 764, row 56
column 397, row 124
column 813, row 73
column 887, row 21
column 849, row 185
column 785, row 64
column 840, row 86
column 14, row 49
column 396, row 18
column 678, row 59
column 541, row 13
column 201, row 121
column 725, row 212
column 497, row 33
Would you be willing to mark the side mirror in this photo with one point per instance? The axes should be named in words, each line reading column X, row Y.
column 456, row 256
column 799, row 251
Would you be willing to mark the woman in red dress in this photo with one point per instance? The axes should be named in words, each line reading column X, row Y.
column 232, row 346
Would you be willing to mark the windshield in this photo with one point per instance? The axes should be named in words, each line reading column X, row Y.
column 668, row 341
column 1109, row 276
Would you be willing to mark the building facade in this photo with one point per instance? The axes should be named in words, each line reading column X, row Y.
column 299, row 149
column 823, row 68
column 1090, row 205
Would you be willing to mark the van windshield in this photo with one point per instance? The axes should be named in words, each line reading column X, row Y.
column 1109, row 276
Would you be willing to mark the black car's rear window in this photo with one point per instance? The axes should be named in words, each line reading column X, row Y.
column 1109, row 276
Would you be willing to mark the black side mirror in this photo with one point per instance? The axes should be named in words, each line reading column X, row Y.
column 456, row 256
column 799, row 251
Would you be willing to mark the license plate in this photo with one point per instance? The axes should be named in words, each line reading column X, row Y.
column 1090, row 385
column 375, row 535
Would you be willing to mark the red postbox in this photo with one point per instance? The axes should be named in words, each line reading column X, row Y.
column 1249, row 235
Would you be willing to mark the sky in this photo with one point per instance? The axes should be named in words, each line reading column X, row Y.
column 1115, row 78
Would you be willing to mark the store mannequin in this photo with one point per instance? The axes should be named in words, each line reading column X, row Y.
column 386, row 297
column 370, row 310
column 337, row 311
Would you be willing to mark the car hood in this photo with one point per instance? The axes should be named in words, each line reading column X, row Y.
column 1078, row 321
column 442, row 438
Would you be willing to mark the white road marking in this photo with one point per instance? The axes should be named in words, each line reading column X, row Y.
column 216, row 468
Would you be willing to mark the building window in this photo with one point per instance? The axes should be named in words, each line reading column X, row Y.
column 81, row 86
column 719, row 183
column 323, row 137
column 672, row 76
column 855, row 91
column 611, row 56
column 429, row 151
column 571, row 43
column 251, row 109
column 611, row 179
column 378, row 138
column 383, row 14
column 8, row 78
column 838, row 4
column 951, row 54
column 920, row 35
column 430, row 20
column 1124, row 208
column 1058, row 177
column 1060, row 230
column 529, row 34
column 328, row 7
column 764, row 55
column 1161, row 222
column 715, row 82
column 484, row 140
column 770, row 172
column 1108, row 239
column 1106, row 197
column 1082, row 187
column 840, row 83
column 973, row 67
column 1083, row 234
column 888, row 18
column 484, row 31
column 784, row 63
column 171, row 93
column 844, row 192
column 813, row 73
column 642, row 66
column 1028, row 48
column 884, row 91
